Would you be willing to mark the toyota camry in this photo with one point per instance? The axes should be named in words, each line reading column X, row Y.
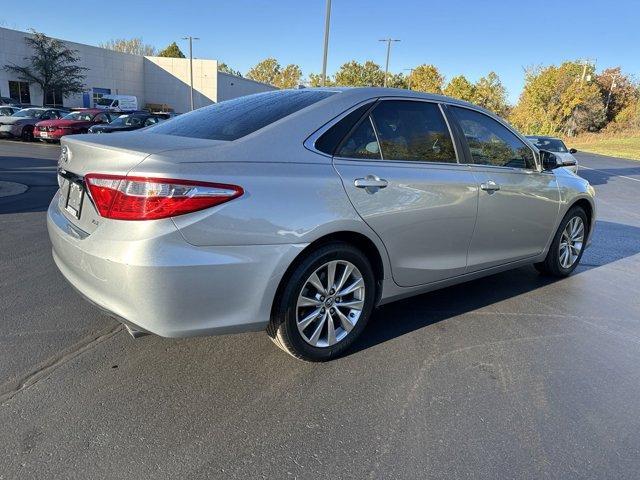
column 299, row 211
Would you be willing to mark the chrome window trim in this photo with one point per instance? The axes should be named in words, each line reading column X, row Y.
column 520, row 137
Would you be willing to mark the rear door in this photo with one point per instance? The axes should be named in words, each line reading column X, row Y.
column 517, row 204
column 399, row 168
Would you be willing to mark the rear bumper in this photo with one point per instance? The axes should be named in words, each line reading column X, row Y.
column 163, row 285
column 55, row 135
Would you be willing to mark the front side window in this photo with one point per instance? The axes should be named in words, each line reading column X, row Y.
column 361, row 143
column 491, row 143
column 412, row 130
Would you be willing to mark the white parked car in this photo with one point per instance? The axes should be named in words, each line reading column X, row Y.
column 558, row 148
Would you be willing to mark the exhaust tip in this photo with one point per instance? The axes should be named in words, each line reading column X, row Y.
column 135, row 333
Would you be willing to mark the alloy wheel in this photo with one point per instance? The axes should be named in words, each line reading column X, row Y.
column 330, row 303
column 571, row 242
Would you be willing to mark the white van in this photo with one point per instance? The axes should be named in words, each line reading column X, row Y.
column 117, row 103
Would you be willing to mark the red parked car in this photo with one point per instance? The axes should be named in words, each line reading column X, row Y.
column 75, row 122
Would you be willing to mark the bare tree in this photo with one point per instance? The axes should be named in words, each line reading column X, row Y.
column 134, row 46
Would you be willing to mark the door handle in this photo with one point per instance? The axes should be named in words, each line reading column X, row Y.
column 490, row 186
column 370, row 181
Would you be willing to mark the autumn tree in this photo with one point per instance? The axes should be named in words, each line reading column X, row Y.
column 224, row 68
column 134, row 46
column 618, row 91
column 559, row 100
column 269, row 71
column 426, row 78
column 355, row 74
column 52, row 66
column 172, row 51
column 488, row 92
column 460, row 87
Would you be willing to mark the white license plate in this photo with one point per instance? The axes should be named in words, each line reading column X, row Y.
column 74, row 199
column 44, row 134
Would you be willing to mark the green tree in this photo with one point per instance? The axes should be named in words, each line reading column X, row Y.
column 288, row 77
column 426, row 78
column 397, row 80
column 52, row 66
column 559, row 100
column 460, row 87
column 269, row 71
column 134, row 46
column 315, row 80
column 491, row 94
column 224, row 68
column 265, row 71
column 355, row 74
column 172, row 51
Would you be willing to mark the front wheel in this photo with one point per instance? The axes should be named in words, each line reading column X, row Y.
column 325, row 303
column 27, row 134
column 568, row 245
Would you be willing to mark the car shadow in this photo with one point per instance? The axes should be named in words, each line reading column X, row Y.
column 611, row 242
column 601, row 176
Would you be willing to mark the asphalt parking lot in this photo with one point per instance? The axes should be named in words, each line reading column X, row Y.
column 511, row 376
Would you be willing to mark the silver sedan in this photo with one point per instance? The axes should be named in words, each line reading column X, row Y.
column 299, row 211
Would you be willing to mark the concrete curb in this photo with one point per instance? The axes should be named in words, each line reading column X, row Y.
column 8, row 189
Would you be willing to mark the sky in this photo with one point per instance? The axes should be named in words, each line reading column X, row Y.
column 459, row 37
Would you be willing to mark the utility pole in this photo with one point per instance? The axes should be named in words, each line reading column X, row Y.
column 410, row 70
column 614, row 77
column 191, row 39
column 585, row 63
column 327, row 21
column 386, row 67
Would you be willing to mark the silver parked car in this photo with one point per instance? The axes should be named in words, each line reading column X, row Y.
column 299, row 211
column 558, row 148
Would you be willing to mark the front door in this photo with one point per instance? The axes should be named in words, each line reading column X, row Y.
column 518, row 204
column 399, row 169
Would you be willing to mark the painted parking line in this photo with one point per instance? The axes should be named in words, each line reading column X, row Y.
column 607, row 173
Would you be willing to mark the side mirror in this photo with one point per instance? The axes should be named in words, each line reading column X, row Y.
column 549, row 160
column 573, row 150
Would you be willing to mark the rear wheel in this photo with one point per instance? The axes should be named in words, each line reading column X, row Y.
column 568, row 245
column 325, row 303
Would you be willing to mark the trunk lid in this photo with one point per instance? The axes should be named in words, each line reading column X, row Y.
column 115, row 154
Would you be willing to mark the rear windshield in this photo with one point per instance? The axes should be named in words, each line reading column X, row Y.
column 232, row 119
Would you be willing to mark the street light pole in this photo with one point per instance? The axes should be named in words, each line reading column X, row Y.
column 386, row 67
column 327, row 21
column 191, row 39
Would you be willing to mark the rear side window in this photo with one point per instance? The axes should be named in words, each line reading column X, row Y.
column 361, row 143
column 491, row 143
column 232, row 119
column 412, row 130
column 330, row 140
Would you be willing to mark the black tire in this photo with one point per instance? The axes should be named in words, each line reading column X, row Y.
column 283, row 328
column 551, row 265
column 27, row 134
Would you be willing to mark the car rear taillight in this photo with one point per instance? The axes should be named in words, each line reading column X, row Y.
column 141, row 198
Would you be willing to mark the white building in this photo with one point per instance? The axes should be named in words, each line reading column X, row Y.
column 153, row 80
